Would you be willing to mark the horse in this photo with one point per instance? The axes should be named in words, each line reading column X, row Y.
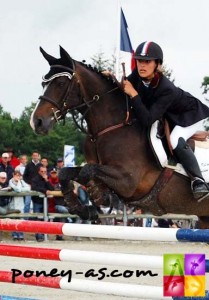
column 121, row 164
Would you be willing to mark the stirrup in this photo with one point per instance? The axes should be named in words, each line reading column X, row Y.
column 200, row 189
column 202, row 198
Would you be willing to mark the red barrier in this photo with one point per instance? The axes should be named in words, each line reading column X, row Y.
column 31, row 226
column 52, row 282
column 29, row 252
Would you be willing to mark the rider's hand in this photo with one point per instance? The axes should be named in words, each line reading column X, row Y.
column 129, row 89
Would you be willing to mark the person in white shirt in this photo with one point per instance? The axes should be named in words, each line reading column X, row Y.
column 23, row 162
column 18, row 185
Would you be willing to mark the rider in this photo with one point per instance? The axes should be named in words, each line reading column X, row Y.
column 154, row 96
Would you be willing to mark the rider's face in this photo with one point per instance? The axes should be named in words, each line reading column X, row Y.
column 146, row 68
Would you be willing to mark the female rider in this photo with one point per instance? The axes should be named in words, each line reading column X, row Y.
column 153, row 96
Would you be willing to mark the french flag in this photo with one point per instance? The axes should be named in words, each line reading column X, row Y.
column 126, row 50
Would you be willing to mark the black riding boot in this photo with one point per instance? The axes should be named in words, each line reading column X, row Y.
column 186, row 157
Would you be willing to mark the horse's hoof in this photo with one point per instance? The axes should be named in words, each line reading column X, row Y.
column 111, row 200
column 93, row 214
column 88, row 213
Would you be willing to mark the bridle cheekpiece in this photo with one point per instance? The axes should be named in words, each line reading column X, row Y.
column 61, row 108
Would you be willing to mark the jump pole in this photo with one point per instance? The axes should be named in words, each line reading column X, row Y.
column 89, row 257
column 88, row 286
column 81, row 256
column 106, row 231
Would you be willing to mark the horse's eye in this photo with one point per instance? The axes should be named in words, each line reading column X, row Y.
column 60, row 82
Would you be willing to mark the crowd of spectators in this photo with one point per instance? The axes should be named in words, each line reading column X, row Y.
column 23, row 175
column 35, row 174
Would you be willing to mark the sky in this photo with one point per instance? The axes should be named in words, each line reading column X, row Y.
column 86, row 27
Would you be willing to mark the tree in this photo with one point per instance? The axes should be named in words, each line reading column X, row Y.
column 17, row 134
column 101, row 63
column 167, row 72
column 205, row 84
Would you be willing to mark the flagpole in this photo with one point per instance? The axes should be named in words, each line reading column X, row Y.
column 117, row 64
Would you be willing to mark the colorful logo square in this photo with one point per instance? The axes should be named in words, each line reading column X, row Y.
column 194, row 286
column 194, row 264
column 173, row 265
column 173, row 286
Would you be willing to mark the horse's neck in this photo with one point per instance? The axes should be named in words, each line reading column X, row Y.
column 110, row 107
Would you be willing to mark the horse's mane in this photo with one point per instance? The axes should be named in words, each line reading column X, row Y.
column 109, row 78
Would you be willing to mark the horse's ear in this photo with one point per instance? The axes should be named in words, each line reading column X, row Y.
column 64, row 55
column 51, row 60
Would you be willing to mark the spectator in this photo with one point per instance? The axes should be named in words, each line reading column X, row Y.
column 31, row 169
column 23, row 162
column 6, row 205
column 21, row 168
column 83, row 197
column 18, row 185
column 59, row 202
column 6, row 167
column 13, row 160
column 40, row 183
column 45, row 163
column 53, row 179
column 59, row 164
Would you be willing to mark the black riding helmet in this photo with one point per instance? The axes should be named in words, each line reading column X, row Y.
column 149, row 51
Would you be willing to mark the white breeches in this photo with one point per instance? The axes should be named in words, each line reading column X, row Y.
column 185, row 132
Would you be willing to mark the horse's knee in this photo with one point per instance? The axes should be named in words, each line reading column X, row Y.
column 69, row 173
column 87, row 173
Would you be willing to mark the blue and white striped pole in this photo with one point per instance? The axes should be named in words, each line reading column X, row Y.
column 107, row 231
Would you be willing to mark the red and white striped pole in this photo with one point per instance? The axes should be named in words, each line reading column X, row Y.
column 81, row 256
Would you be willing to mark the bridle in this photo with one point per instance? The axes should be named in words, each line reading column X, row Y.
column 63, row 109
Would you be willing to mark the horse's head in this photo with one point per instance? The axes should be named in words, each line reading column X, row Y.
column 59, row 84
column 72, row 86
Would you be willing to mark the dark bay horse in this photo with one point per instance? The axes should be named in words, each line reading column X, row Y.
column 120, row 161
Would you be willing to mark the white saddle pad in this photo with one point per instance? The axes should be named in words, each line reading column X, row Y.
column 201, row 152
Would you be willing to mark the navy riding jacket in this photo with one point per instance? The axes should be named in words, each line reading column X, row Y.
column 162, row 99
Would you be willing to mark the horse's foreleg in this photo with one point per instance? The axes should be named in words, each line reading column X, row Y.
column 105, row 183
column 114, row 177
column 100, row 194
column 85, row 212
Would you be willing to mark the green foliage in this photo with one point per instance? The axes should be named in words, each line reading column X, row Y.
column 205, row 84
column 17, row 134
column 167, row 72
column 101, row 63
